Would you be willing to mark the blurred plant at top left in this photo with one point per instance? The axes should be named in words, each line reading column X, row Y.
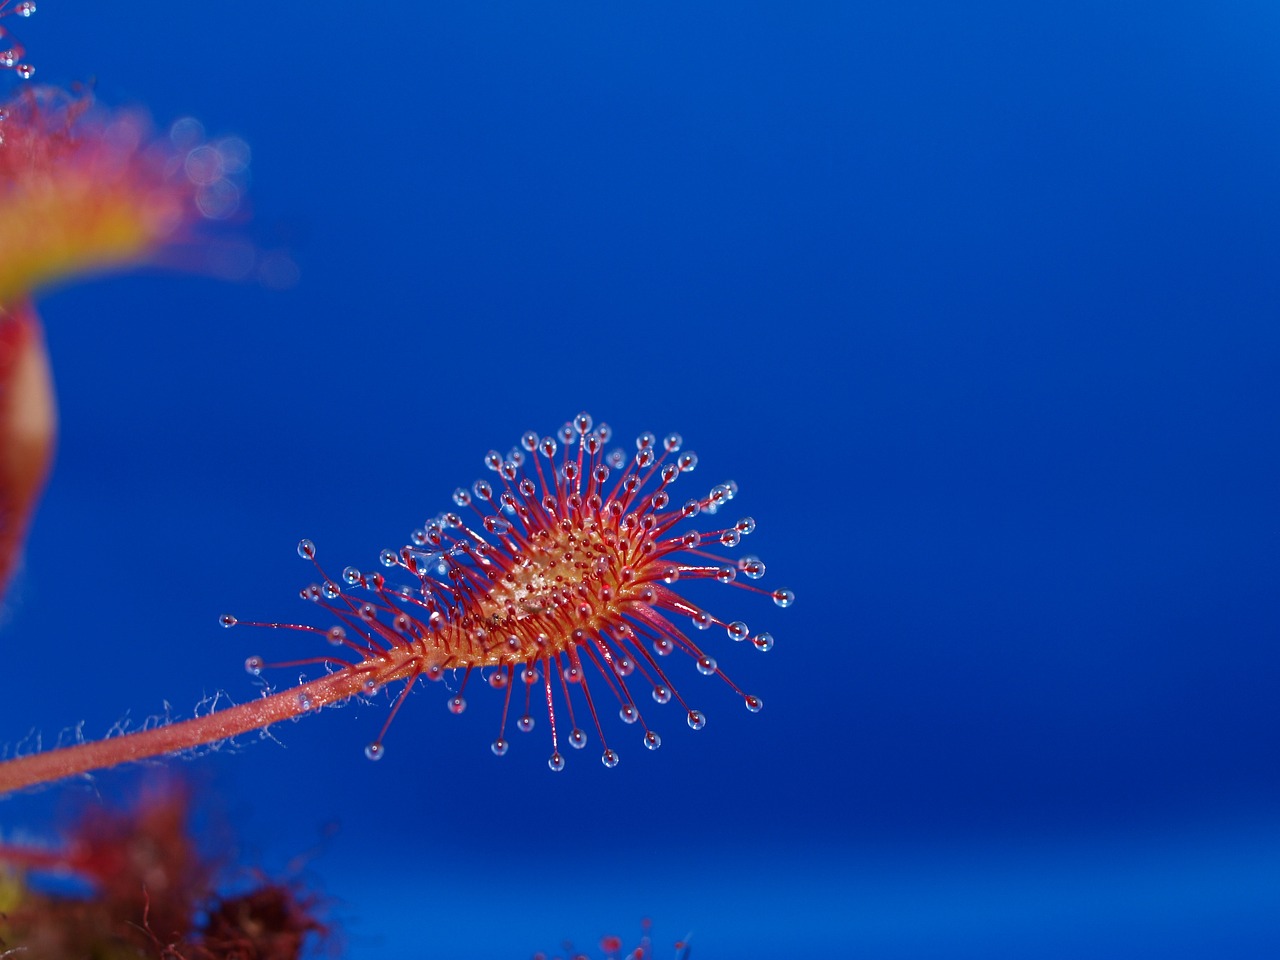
column 83, row 190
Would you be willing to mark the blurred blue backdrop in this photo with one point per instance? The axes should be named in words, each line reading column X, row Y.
column 979, row 308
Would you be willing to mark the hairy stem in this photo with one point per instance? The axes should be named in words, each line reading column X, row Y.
column 52, row 765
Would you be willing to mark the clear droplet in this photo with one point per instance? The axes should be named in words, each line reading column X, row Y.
column 753, row 703
column 525, row 723
column 706, row 665
column 737, row 630
column 499, row 747
column 652, row 740
column 375, row 751
column 253, row 666
column 25, row 70
column 609, row 758
column 457, row 705
column 629, row 713
column 662, row 694
column 577, row 739
column 784, row 598
column 763, row 642
column 227, row 620
column 556, row 762
column 306, row 550
column 696, row 720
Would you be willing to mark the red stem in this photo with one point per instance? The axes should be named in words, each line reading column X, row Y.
column 70, row 761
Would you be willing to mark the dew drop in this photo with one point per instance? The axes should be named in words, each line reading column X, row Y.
column 609, row 758
column 577, row 739
column 629, row 713
column 726, row 574
column 499, row 747
column 662, row 694
column 737, row 630
column 556, row 762
column 652, row 740
column 25, row 70
column 227, row 620
column 351, row 576
column 753, row 703
column 330, row 590
column 696, row 720
column 702, row 620
column 25, row 9
column 730, row 538
column 306, row 550
column 498, row 680
column 336, row 635
column 752, row 566
column 253, row 666
column 525, row 723
column 305, row 702
column 457, row 705
column 375, row 751
column 746, row 525
column 662, row 647
column 784, row 598
column 763, row 642
column 706, row 666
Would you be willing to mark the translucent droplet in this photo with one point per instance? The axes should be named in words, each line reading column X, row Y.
column 577, row 739
column 609, row 758
column 457, row 705
column 662, row 694
column 25, row 9
column 730, row 538
column 726, row 574
column 375, row 751
column 737, row 630
column 556, row 762
column 25, row 70
column 702, row 620
column 253, row 666
column 753, row 703
column 763, row 642
column 663, row 647
column 499, row 747
column 305, row 702
column 330, row 590
column 227, row 620
column 652, row 740
column 687, row 462
column 745, row 526
column 351, row 576
column 525, row 723
column 336, row 635
column 696, row 720
column 706, row 665
column 752, row 567
column 628, row 713
column 306, row 550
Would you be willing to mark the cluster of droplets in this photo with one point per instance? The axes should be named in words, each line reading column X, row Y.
column 12, row 53
column 565, row 569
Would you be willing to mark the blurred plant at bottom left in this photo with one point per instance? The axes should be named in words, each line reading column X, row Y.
column 146, row 890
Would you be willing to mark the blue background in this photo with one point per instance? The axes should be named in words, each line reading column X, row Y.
column 979, row 308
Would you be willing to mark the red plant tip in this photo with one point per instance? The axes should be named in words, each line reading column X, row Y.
column 84, row 189
column 561, row 578
column 12, row 52
column 555, row 580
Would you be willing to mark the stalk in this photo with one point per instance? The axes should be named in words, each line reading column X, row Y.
column 38, row 768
